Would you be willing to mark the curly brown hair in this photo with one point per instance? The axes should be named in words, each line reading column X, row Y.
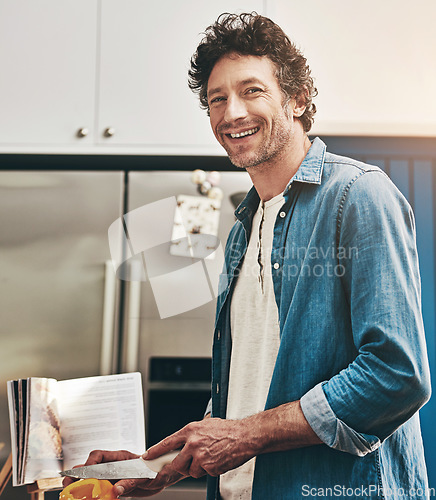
column 253, row 34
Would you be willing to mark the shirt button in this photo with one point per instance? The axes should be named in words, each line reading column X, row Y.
column 218, row 335
column 276, row 265
column 282, row 215
column 217, row 388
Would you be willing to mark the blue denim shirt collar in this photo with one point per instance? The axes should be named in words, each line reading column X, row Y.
column 309, row 171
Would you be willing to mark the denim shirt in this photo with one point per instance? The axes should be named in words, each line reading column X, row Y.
column 352, row 346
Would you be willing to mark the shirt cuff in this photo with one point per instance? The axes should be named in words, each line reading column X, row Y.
column 330, row 429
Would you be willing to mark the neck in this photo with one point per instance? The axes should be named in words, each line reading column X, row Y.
column 271, row 178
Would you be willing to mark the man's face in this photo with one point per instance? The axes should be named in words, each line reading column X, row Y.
column 246, row 111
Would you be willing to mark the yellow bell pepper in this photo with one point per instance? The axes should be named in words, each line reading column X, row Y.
column 88, row 489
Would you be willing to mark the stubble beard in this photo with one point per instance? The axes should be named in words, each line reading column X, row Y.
column 267, row 152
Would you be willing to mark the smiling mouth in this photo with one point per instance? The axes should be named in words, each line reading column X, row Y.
column 239, row 135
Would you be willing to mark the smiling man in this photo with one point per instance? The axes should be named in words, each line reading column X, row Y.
column 249, row 120
column 319, row 358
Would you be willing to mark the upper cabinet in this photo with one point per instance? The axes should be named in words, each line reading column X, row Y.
column 47, row 72
column 94, row 76
column 110, row 76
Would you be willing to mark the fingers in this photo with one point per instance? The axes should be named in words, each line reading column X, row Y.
column 182, row 463
column 188, row 461
column 138, row 487
column 128, row 485
column 67, row 480
column 185, row 465
column 170, row 443
column 147, row 487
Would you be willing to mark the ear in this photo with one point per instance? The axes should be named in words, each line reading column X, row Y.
column 299, row 103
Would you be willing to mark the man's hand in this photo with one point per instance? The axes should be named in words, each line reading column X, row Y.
column 132, row 487
column 215, row 446
column 211, row 446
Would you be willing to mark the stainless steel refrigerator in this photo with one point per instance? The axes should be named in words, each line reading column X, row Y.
column 64, row 311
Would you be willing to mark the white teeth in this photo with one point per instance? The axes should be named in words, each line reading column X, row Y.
column 243, row 134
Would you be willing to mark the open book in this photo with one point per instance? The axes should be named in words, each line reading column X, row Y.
column 55, row 424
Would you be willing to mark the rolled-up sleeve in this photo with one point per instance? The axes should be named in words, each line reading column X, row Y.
column 388, row 381
column 330, row 429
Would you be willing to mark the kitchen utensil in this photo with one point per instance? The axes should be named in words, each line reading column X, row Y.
column 136, row 468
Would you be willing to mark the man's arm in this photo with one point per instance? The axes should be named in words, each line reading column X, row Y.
column 214, row 445
column 388, row 381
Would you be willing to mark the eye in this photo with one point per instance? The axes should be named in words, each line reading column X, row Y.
column 217, row 99
column 253, row 90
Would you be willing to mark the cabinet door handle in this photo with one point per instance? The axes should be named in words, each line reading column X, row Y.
column 82, row 132
column 109, row 132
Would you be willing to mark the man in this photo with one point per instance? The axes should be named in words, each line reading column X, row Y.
column 319, row 360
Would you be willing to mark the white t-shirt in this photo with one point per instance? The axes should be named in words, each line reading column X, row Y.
column 255, row 338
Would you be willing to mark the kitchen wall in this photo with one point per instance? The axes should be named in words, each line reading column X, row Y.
column 373, row 63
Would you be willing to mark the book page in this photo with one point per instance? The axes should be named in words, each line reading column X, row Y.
column 23, row 420
column 14, row 425
column 43, row 446
column 105, row 412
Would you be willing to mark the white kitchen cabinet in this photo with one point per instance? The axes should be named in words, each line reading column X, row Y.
column 47, row 72
column 115, row 68
column 145, row 56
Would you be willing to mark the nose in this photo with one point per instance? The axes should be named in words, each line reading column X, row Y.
column 235, row 109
